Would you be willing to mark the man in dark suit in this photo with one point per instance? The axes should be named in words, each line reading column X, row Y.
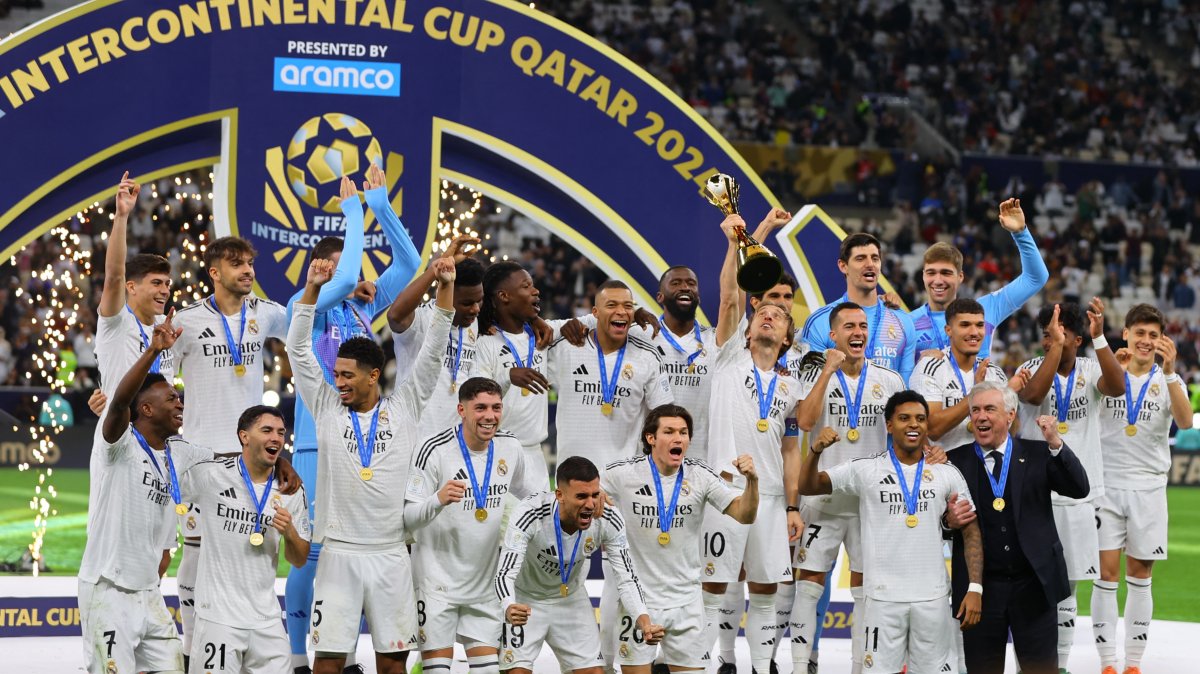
column 1024, row 573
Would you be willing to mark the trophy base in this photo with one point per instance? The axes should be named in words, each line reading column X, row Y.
column 757, row 271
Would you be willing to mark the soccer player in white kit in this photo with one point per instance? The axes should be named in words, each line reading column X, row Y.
column 901, row 500
column 364, row 464
column 1069, row 387
column 131, row 518
column 846, row 394
column 219, row 356
column 540, row 579
column 1135, row 432
column 454, row 507
column 750, row 401
column 247, row 517
column 662, row 497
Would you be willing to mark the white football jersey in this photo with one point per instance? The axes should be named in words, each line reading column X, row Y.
column 1141, row 461
column 900, row 563
column 236, row 581
column 583, row 430
column 934, row 378
column 1083, row 420
column 669, row 574
column 529, row 566
column 217, row 395
column 118, row 346
column 880, row 384
column 455, row 554
column 525, row 415
column 734, row 415
column 459, row 346
column 131, row 516
column 349, row 508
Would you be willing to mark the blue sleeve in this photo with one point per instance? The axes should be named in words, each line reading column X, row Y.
column 345, row 277
column 908, row 359
column 1001, row 304
column 816, row 331
column 405, row 257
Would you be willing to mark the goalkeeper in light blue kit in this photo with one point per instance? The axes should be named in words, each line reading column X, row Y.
column 340, row 315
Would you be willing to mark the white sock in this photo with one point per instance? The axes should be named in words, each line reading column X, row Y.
column 438, row 665
column 352, row 656
column 186, row 577
column 1067, row 610
column 731, row 619
column 858, row 638
column 484, row 664
column 760, row 631
column 1104, row 621
column 300, row 660
column 1139, row 607
column 712, row 613
column 804, row 622
column 785, row 595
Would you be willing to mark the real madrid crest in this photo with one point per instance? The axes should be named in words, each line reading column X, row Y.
column 421, row 635
column 252, row 326
column 891, row 332
column 191, row 523
column 316, row 637
column 877, row 391
column 508, row 656
column 927, row 475
column 685, row 488
column 383, row 417
column 868, row 661
column 627, row 371
column 625, row 650
column 502, row 467
column 1081, row 382
column 801, row 554
column 111, row 667
column 589, row 545
column 783, row 389
column 709, row 569
column 1154, row 389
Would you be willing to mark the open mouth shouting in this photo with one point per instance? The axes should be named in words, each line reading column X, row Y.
column 585, row 518
column 618, row 327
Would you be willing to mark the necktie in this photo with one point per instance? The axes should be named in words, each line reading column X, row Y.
column 997, row 463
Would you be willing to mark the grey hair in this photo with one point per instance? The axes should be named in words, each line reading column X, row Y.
column 1009, row 395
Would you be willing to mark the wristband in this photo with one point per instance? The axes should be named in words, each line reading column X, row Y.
column 792, row 509
column 976, row 588
column 1174, row 378
column 1100, row 342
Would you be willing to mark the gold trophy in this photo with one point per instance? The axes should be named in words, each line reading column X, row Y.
column 758, row 270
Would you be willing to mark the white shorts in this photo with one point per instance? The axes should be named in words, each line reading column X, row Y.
column 1135, row 521
column 823, row 536
column 217, row 648
column 441, row 623
column 919, row 634
column 535, row 464
column 760, row 548
column 1077, row 524
column 126, row 630
column 189, row 523
column 722, row 546
column 682, row 646
column 567, row 626
column 375, row 580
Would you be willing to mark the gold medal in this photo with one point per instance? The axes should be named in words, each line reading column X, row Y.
column 1063, row 427
column 239, row 370
column 970, row 427
column 524, row 392
column 762, row 425
column 664, row 538
column 605, row 409
column 481, row 514
column 1131, row 430
column 256, row 539
column 910, row 521
column 852, row 435
column 453, row 386
column 692, row 369
column 998, row 505
column 564, row 590
column 180, row 509
column 366, row 474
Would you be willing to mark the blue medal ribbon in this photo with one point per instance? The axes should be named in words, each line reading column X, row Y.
column 1133, row 409
column 958, row 373
column 259, row 503
column 157, row 364
column 348, row 321
column 170, row 477
column 458, row 357
column 910, row 497
column 608, row 384
column 1062, row 404
column 365, row 450
column 480, row 492
column 235, row 348
column 513, row 349
column 997, row 487
column 854, row 405
column 564, row 570
column 665, row 515
column 938, row 335
column 666, row 333
column 764, row 401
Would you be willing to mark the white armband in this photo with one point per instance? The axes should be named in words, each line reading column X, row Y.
column 1100, row 342
column 976, row 588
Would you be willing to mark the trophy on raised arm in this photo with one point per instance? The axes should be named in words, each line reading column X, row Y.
column 758, row 270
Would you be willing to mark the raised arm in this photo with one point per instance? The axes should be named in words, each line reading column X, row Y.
column 744, row 507
column 733, row 301
column 512, row 557
column 112, row 298
column 1112, row 375
column 405, row 258
column 418, row 388
column 117, row 420
column 400, row 313
column 621, row 563
column 809, row 409
column 295, row 541
column 1181, row 407
column 814, row 481
column 1064, row 473
column 1033, row 268
column 1041, row 380
column 306, row 371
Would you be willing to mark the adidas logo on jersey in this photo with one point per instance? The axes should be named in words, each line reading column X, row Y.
column 1158, row 551
column 229, row 493
column 208, row 332
column 644, row 491
column 460, row 475
column 582, row 369
column 1091, row 569
column 945, row 667
column 890, row 479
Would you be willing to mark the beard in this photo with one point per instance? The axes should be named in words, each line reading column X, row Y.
column 680, row 313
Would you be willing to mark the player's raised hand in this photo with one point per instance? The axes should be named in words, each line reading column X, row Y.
column 282, row 521
column 934, row 454
column 165, row 333
column 346, row 189
column 833, row 360
column 1049, row 428
column 732, row 225
column 1165, row 349
column 745, row 467
column 443, row 270
column 958, row 512
column 452, row 492
column 517, row 614
column 97, row 402
column 1012, row 217
column 1095, row 314
column 826, row 437
column 1054, row 329
column 982, row 370
column 319, row 272
column 461, row 247
column 1019, row 379
column 529, row 379
column 375, row 177
column 127, row 194
column 776, row 218
column 1123, row 356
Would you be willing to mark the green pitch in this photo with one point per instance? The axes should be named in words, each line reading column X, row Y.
column 1176, row 596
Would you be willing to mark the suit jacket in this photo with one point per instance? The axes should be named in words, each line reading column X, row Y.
column 1032, row 475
